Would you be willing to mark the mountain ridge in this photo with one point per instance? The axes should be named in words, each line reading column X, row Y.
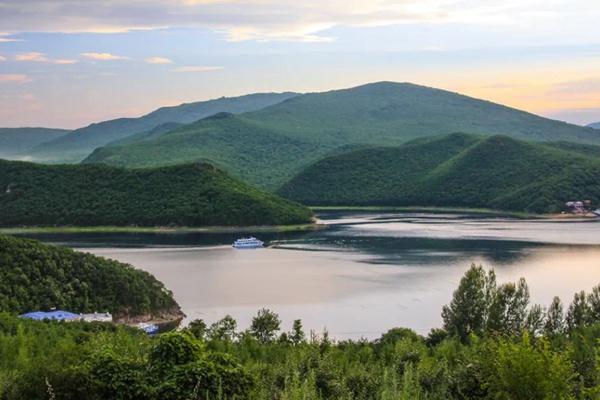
column 457, row 170
column 194, row 195
column 81, row 142
column 378, row 114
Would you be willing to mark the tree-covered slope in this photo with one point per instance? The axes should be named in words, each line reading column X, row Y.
column 34, row 276
column 247, row 151
column 384, row 114
column 455, row 170
column 15, row 141
column 595, row 125
column 81, row 142
column 184, row 195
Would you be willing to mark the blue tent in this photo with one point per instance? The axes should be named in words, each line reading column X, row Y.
column 57, row 315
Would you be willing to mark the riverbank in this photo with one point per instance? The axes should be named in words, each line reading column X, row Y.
column 161, row 229
column 459, row 210
column 434, row 210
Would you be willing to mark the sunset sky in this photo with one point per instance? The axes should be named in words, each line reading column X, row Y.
column 67, row 63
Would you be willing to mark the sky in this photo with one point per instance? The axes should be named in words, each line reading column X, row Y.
column 68, row 63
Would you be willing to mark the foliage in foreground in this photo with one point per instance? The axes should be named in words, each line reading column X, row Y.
column 493, row 346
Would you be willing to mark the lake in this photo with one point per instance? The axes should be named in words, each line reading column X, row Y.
column 366, row 273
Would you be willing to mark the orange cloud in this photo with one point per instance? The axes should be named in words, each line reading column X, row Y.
column 103, row 56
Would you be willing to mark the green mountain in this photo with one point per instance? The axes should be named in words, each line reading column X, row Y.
column 595, row 125
column 79, row 143
column 34, row 277
column 16, row 141
column 295, row 132
column 457, row 170
column 98, row 195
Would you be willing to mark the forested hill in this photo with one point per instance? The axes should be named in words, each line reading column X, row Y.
column 307, row 127
column 595, row 125
column 185, row 195
column 456, row 170
column 15, row 141
column 81, row 142
column 34, row 276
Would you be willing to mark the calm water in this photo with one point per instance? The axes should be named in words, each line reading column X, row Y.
column 365, row 274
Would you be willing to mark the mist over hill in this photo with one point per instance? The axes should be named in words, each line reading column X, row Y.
column 81, row 142
column 17, row 141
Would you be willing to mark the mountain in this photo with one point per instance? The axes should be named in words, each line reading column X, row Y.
column 307, row 127
column 595, row 125
column 98, row 195
column 457, row 170
column 34, row 276
column 249, row 152
column 81, row 142
column 15, row 141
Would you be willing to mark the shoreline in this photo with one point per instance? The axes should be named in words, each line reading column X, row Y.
column 161, row 229
column 461, row 210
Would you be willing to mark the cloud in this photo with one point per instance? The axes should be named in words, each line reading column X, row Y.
column 103, row 56
column 158, row 60
column 268, row 20
column 4, row 39
column 197, row 68
column 42, row 58
column 14, row 78
column 2, row 58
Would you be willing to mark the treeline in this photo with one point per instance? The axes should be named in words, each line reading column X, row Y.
column 457, row 170
column 34, row 277
column 494, row 345
column 93, row 195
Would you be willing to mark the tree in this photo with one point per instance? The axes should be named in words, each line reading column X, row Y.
column 594, row 303
column 224, row 329
column 297, row 335
column 555, row 320
column 508, row 310
column 535, row 320
column 197, row 328
column 265, row 325
column 579, row 312
column 468, row 310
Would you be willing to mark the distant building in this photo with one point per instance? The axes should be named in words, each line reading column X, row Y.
column 56, row 315
column 576, row 207
column 97, row 317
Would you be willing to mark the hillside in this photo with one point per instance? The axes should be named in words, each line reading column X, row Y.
column 81, row 142
column 248, row 152
column 98, row 195
column 34, row 276
column 595, row 125
column 384, row 114
column 15, row 141
column 456, row 170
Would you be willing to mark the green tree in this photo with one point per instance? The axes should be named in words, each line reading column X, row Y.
column 265, row 325
column 224, row 329
column 555, row 320
column 524, row 371
column 467, row 313
column 297, row 336
column 508, row 309
column 579, row 312
column 594, row 303
column 197, row 328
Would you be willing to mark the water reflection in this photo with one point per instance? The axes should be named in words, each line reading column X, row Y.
column 366, row 273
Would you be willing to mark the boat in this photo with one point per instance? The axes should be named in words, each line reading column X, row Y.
column 597, row 212
column 248, row 243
